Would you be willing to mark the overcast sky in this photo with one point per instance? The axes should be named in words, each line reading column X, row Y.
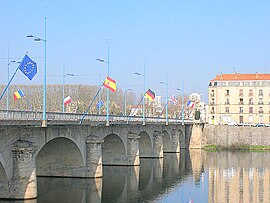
column 190, row 41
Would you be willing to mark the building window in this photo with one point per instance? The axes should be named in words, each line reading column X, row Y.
column 250, row 101
column 260, row 101
column 227, row 101
column 250, row 118
column 213, row 110
column 212, row 93
column 241, row 101
column 241, row 93
column 260, row 118
column 227, row 110
column 260, row 92
column 215, row 83
column 241, row 110
column 250, row 93
column 260, row 109
column 212, row 102
column 250, row 110
column 241, row 119
column 227, row 92
column 210, row 84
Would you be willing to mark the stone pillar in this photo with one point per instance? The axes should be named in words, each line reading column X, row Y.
column 93, row 157
column 175, row 142
column 157, row 145
column 133, row 158
column 24, row 180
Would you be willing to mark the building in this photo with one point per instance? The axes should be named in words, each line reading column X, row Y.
column 239, row 98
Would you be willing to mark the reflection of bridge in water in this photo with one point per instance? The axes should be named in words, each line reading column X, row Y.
column 119, row 184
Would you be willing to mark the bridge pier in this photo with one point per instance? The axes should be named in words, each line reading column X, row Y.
column 133, row 157
column 24, row 181
column 93, row 157
column 157, row 151
column 175, row 142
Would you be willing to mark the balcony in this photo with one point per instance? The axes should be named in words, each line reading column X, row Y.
column 227, row 103
column 212, row 95
column 260, row 103
column 250, row 103
column 241, row 103
column 212, row 103
column 251, row 95
column 260, row 111
column 241, row 94
column 226, row 94
column 212, row 112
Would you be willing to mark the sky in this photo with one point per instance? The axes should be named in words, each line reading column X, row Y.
column 190, row 42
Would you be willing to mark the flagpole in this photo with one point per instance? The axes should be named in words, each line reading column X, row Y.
column 135, row 109
column 108, row 92
column 3, row 93
column 90, row 104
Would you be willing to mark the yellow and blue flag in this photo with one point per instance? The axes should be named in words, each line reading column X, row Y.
column 28, row 67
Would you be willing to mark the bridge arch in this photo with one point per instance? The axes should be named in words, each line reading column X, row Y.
column 167, row 143
column 60, row 157
column 113, row 150
column 3, row 179
column 145, row 145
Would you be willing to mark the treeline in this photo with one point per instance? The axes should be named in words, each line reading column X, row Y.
column 81, row 96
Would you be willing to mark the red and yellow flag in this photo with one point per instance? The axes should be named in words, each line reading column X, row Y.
column 110, row 84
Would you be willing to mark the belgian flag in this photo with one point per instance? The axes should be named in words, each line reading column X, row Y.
column 150, row 95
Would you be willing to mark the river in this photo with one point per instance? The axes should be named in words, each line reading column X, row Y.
column 189, row 177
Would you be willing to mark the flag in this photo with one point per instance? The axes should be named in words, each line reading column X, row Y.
column 19, row 94
column 190, row 104
column 173, row 100
column 67, row 100
column 100, row 104
column 28, row 67
column 110, row 84
column 150, row 95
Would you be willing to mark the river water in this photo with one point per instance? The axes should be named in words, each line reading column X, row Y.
column 189, row 177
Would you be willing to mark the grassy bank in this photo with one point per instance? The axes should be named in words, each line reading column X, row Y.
column 236, row 147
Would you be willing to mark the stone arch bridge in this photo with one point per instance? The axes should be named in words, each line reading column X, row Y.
column 78, row 151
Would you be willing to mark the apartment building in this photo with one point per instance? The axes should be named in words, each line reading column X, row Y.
column 239, row 98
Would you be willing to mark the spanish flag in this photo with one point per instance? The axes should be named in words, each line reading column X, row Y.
column 150, row 95
column 110, row 84
column 19, row 94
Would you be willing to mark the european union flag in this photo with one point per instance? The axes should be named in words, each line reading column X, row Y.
column 28, row 67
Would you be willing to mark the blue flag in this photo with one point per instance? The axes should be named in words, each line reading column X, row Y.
column 28, row 67
column 100, row 104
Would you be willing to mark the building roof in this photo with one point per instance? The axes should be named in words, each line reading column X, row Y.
column 238, row 76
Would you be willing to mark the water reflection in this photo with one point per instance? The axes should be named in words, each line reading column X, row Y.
column 238, row 176
column 191, row 176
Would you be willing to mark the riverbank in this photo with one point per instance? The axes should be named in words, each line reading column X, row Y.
column 234, row 147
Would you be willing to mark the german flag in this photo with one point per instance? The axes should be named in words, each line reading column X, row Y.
column 150, row 95
column 110, row 84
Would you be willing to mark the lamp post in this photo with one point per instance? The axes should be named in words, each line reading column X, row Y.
column 143, row 91
column 182, row 114
column 125, row 100
column 63, row 87
column 38, row 39
column 8, row 81
column 108, row 93
column 167, row 111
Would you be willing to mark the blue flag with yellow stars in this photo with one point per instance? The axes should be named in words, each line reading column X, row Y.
column 28, row 67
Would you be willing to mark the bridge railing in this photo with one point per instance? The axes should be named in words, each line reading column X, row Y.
column 59, row 116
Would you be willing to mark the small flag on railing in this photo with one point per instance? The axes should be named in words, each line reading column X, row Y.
column 67, row 100
column 100, row 104
column 18, row 95
column 190, row 104
column 173, row 100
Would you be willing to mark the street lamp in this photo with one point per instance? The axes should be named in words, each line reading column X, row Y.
column 166, row 99
column 63, row 87
column 182, row 90
column 125, row 100
column 38, row 39
column 143, row 91
column 108, row 92
column 10, row 62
